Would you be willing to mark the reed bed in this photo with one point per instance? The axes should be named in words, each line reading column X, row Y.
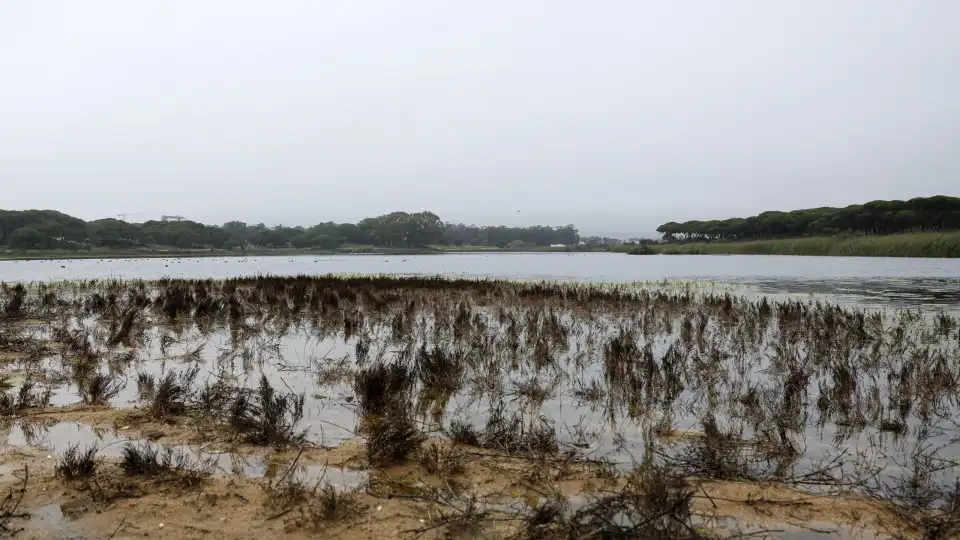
column 656, row 389
column 922, row 244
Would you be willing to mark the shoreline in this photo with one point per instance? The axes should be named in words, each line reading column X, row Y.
column 909, row 245
column 54, row 256
column 930, row 245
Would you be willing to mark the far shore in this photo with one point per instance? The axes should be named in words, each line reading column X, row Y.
column 920, row 245
column 37, row 255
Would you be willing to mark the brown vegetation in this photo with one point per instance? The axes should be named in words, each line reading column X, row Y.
column 487, row 408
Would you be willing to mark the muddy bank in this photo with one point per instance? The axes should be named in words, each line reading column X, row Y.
column 471, row 489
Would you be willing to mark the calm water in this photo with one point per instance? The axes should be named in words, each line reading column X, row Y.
column 864, row 280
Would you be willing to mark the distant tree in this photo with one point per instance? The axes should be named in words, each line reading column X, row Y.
column 937, row 213
column 316, row 240
column 27, row 238
column 113, row 233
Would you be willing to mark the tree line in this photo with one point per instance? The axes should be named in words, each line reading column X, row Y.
column 939, row 213
column 49, row 229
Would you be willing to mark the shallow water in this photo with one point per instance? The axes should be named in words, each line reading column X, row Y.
column 867, row 280
column 293, row 353
column 57, row 437
column 509, row 340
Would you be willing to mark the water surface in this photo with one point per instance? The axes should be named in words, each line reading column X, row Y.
column 865, row 280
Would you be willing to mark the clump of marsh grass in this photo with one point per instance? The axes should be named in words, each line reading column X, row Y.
column 535, row 391
column 392, row 438
column 123, row 328
column 29, row 395
column 512, row 434
column 100, row 388
column 330, row 504
column 146, row 385
column 441, row 459
column 723, row 455
column 263, row 416
column 315, row 505
column 75, row 463
column 172, row 395
column 333, row 371
column 382, row 387
column 508, row 433
column 147, row 460
column 15, row 299
column 463, row 433
column 652, row 504
column 440, row 371
column 213, row 399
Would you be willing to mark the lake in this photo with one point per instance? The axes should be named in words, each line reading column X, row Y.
column 869, row 281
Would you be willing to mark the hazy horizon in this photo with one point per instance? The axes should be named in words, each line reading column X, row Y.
column 588, row 230
column 615, row 117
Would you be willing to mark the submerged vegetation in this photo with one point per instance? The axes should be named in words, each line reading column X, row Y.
column 505, row 409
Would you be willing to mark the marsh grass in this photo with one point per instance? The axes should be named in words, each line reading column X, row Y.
column 510, row 433
column 461, row 432
column 75, row 463
column 630, row 361
column 14, row 298
column 653, row 504
column 173, row 393
column 929, row 244
column 442, row 460
column 30, row 395
column 312, row 505
column 382, row 387
column 100, row 388
column 146, row 385
column 392, row 439
column 167, row 464
column 265, row 417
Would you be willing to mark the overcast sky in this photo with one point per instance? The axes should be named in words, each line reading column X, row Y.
column 612, row 115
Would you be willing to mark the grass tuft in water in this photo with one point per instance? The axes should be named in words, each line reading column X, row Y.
column 75, row 463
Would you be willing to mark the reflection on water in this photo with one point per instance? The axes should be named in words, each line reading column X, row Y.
column 50, row 515
column 871, row 292
column 615, row 373
column 713, row 386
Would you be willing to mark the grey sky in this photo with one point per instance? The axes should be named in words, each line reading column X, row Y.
column 613, row 115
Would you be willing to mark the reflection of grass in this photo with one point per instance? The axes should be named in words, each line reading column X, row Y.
column 895, row 245
column 431, row 352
